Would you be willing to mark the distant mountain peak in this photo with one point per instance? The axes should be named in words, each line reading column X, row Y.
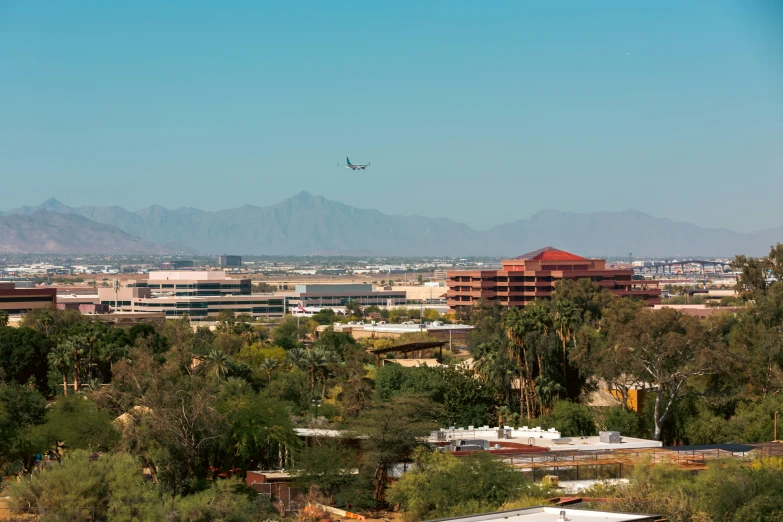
column 306, row 223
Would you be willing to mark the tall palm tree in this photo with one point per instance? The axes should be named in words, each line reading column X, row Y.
column 47, row 320
column 493, row 365
column 565, row 315
column 327, row 357
column 517, row 325
column 76, row 345
column 93, row 335
column 59, row 358
column 269, row 365
column 313, row 360
column 218, row 362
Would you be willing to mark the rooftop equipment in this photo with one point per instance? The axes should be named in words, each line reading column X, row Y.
column 610, row 437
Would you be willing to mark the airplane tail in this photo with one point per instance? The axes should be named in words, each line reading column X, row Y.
column 347, row 161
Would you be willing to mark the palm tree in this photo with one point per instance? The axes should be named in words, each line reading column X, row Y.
column 564, row 318
column 75, row 345
column 295, row 357
column 218, row 362
column 313, row 360
column 59, row 358
column 269, row 364
column 517, row 326
column 94, row 334
column 327, row 357
column 47, row 320
column 492, row 365
column 547, row 390
column 3, row 318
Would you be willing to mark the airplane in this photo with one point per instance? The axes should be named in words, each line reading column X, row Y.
column 351, row 166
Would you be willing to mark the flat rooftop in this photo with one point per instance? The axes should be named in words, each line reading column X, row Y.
column 549, row 439
column 553, row 514
column 404, row 328
column 188, row 275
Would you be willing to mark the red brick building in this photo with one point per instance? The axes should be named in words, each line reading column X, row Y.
column 533, row 276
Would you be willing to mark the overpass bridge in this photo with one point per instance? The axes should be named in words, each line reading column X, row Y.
column 666, row 266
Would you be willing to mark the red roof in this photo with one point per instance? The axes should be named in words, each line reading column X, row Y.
column 550, row 254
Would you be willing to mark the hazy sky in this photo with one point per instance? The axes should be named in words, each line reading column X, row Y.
column 483, row 112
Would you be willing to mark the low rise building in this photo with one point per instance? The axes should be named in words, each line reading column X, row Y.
column 456, row 333
column 15, row 301
column 201, row 283
column 553, row 514
column 533, row 275
column 700, row 310
column 337, row 296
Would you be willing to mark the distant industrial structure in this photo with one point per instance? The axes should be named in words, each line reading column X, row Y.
column 533, row 275
column 225, row 261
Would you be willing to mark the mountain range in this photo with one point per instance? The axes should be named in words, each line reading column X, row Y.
column 48, row 232
column 308, row 224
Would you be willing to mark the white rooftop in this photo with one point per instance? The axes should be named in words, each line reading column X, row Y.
column 537, row 436
column 187, row 275
column 412, row 326
column 553, row 514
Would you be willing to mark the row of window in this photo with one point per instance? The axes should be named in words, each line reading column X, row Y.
column 204, row 304
column 27, row 299
column 504, row 289
column 205, row 313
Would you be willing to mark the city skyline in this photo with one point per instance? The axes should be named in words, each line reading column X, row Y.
column 569, row 107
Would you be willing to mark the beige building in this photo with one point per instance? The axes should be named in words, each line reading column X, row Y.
column 192, row 283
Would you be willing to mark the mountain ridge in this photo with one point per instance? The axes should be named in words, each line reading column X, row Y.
column 45, row 231
column 308, row 224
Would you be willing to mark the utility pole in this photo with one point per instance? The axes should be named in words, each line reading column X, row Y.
column 421, row 317
column 116, row 285
column 775, row 432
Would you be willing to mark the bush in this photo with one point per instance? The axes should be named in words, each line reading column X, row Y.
column 444, row 485
column 627, row 422
column 570, row 419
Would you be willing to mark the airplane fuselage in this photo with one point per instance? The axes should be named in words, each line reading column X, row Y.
column 351, row 166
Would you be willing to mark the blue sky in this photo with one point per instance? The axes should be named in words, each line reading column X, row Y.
column 483, row 112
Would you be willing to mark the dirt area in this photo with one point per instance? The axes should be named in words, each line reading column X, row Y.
column 381, row 516
column 3, row 509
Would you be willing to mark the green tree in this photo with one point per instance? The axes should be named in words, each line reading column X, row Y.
column 59, row 358
column 390, row 432
column 328, row 464
column 570, row 419
column 752, row 276
column 78, row 423
column 3, row 318
column 590, row 299
column 668, row 349
column 21, row 408
column 217, row 363
column 628, row 423
column 256, row 425
column 23, row 355
column 443, row 485
column 269, row 365
column 565, row 318
column 353, row 308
